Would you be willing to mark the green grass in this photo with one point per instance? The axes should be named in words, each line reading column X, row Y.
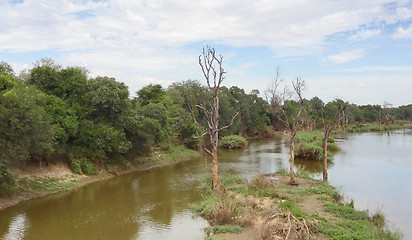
column 206, row 206
column 355, row 230
column 226, row 229
column 175, row 154
column 227, row 179
column 288, row 205
column 324, row 192
column 373, row 127
column 255, row 191
column 346, row 212
column 29, row 186
column 214, row 238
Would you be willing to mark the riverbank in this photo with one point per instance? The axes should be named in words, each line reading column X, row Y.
column 269, row 208
column 34, row 181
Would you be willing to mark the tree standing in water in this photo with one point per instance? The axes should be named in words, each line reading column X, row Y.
column 331, row 114
column 214, row 74
column 284, row 110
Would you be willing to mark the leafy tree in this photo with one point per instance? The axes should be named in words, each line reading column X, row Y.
column 150, row 94
column 7, row 78
column 45, row 76
column 6, row 69
column 64, row 119
column 188, row 94
column 107, row 98
column 6, row 82
column 26, row 131
column 100, row 139
column 72, row 88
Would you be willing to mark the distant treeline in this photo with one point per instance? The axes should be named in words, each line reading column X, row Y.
column 49, row 113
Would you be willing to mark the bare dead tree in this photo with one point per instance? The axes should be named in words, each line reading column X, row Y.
column 214, row 74
column 290, row 120
column 328, row 124
column 386, row 107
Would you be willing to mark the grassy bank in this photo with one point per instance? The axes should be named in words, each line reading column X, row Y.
column 269, row 208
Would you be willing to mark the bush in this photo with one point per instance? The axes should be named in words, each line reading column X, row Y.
column 75, row 165
column 83, row 166
column 309, row 145
column 233, row 141
column 6, row 182
column 226, row 229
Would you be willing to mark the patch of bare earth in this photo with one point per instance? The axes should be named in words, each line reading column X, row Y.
column 264, row 219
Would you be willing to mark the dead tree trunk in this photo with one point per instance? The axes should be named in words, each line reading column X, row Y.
column 290, row 121
column 292, row 161
column 213, row 72
column 329, row 124
column 325, row 155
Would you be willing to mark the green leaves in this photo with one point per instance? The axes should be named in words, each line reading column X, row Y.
column 25, row 127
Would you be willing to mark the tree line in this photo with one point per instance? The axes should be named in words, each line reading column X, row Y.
column 50, row 113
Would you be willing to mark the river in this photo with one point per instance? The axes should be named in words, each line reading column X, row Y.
column 373, row 169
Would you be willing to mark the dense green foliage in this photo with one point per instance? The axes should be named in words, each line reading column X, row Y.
column 6, row 182
column 232, row 141
column 51, row 113
column 83, row 166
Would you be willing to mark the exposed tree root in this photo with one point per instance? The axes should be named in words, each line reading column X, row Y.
column 286, row 226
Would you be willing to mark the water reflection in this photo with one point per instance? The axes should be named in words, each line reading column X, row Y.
column 374, row 170
column 179, row 228
column 17, row 228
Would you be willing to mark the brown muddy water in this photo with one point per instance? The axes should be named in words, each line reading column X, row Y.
column 373, row 169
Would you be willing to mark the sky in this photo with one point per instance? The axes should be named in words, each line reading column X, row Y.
column 356, row 50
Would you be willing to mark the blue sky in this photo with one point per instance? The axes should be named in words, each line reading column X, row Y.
column 357, row 50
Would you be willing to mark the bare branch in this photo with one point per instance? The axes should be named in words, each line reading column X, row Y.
column 208, row 151
column 204, row 109
column 231, row 122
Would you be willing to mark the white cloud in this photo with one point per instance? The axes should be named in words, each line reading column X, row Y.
column 139, row 41
column 403, row 33
column 347, row 56
column 38, row 25
column 364, row 34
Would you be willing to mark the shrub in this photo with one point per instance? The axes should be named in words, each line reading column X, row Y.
column 226, row 229
column 76, row 166
column 233, row 141
column 6, row 182
column 88, row 167
column 83, row 166
column 309, row 145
